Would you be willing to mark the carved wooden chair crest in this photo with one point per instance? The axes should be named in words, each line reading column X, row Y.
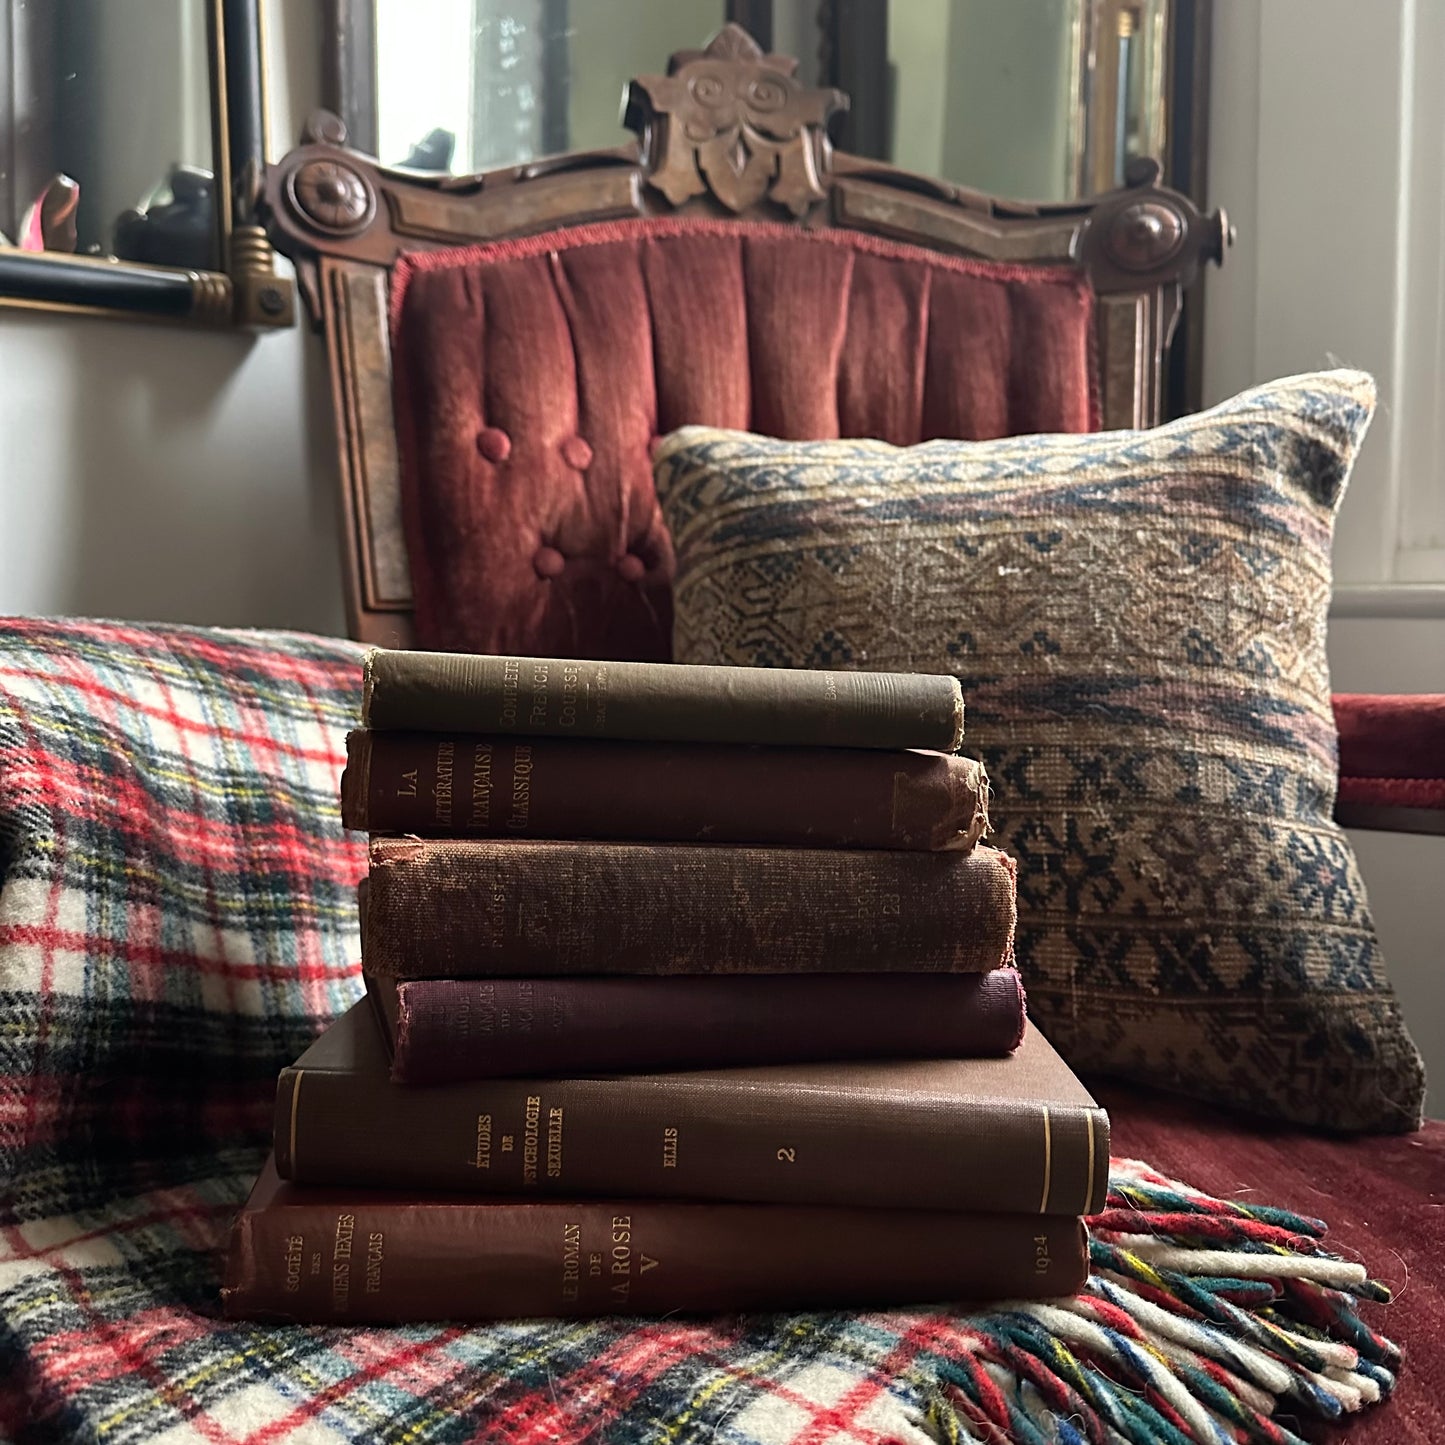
column 727, row 134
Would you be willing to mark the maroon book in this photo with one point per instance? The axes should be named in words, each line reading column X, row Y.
column 361, row 1256
column 1012, row 1135
column 454, row 785
column 524, row 908
column 449, row 1030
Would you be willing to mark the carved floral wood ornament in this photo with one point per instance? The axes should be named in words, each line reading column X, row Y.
column 736, row 122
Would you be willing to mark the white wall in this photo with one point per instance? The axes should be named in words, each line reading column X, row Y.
column 168, row 473
column 1321, row 129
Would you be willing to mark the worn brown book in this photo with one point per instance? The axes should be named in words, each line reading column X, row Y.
column 660, row 701
column 1014, row 1135
column 448, row 1030
column 459, row 908
column 457, row 785
column 332, row 1256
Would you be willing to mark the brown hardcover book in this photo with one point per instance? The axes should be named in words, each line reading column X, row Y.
column 660, row 701
column 449, row 1030
column 451, row 785
column 1016, row 1135
column 459, row 908
column 329, row 1256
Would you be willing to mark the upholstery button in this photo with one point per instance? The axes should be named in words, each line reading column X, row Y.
column 494, row 444
column 548, row 562
column 576, row 453
column 631, row 568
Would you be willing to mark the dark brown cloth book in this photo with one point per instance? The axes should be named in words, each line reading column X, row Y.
column 324, row 1256
column 460, row 908
column 449, row 1030
column 455, row 785
column 659, row 701
column 1014, row 1135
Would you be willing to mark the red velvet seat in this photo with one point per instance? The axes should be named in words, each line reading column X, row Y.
column 534, row 375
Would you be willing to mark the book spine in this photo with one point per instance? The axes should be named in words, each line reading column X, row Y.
column 444, row 908
column 450, row 1030
column 659, row 701
column 370, row 1259
column 684, row 1136
column 455, row 785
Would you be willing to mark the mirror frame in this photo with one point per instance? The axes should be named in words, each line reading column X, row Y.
column 247, row 292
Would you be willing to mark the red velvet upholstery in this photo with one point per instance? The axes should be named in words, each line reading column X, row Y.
column 1392, row 749
column 533, row 377
column 1383, row 1198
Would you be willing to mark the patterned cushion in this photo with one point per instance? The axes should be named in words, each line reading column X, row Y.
column 1138, row 621
column 177, row 897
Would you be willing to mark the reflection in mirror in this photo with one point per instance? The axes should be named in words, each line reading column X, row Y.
column 1044, row 100
column 105, row 130
column 468, row 85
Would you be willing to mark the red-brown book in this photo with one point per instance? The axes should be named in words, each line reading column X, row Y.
column 454, row 785
column 450, row 692
column 1013, row 1135
column 449, row 1030
column 330, row 1256
column 460, row 908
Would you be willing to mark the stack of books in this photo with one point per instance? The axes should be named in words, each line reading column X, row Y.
column 688, row 989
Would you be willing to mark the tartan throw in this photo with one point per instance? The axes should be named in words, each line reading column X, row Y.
column 1201, row 1319
column 177, row 921
column 178, row 911
column 1138, row 623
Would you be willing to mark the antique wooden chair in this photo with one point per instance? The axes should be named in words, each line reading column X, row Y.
column 730, row 152
column 726, row 137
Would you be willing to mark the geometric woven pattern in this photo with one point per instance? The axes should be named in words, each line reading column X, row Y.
column 1138, row 623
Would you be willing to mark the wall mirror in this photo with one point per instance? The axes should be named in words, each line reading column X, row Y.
column 1046, row 100
column 1042, row 100
column 132, row 137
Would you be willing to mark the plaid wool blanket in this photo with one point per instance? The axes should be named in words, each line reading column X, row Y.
column 177, row 921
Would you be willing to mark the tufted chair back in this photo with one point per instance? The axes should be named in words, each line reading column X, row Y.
column 534, row 377
column 506, row 348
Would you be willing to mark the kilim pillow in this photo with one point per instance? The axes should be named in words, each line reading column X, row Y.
column 1138, row 622
column 177, row 896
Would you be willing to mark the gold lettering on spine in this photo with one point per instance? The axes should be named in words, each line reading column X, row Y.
column 554, row 1143
column 571, row 686
column 537, row 718
column 341, row 1263
column 621, row 1264
column 482, row 1159
column 571, row 1261
column 295, row 1248
column 1048, row 1162
column 375, row 1254
column 531, row 1125
column 599, row 700
column 521, row 788
column 441, row 790
column 511, row 683
column 481, row 814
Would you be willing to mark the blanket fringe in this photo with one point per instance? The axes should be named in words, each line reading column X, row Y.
column 1204, row 1321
